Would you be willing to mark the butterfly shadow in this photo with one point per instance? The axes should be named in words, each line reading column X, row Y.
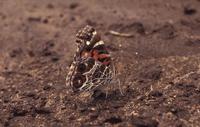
column 114, row 98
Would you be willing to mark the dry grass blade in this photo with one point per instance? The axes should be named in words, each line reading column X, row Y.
column 115, row 33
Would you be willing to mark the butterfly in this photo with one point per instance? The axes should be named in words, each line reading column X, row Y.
column 92, row 67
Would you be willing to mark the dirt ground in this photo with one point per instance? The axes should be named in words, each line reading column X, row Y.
column 159, row 64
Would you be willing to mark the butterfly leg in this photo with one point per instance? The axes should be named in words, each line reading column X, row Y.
column 107, row 93
column 120, row 88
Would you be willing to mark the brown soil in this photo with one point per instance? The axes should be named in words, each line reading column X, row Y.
column 160, row 64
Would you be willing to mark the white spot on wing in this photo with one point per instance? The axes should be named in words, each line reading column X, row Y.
column 87, row 42
column 99, row 43
column 95, row 32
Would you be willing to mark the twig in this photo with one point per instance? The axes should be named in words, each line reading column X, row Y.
column 194, row 37
column 178, row 79
column 120, row 34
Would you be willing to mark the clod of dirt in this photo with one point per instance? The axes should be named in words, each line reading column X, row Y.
column 45, row 21
column 185, row 86
column 15, row 52
column 113, row 120
column 42, row 110
column 112, row 48
column 73, row 5
column 6, row 123
column 193, row 43
column 52, row 54
column 152, row 72
column 94, row 115
column 56, row 123
column 50, row 43
column 98, row 95
column 90, row 22
column 34, row 19
column 6, row 99
column 178, row 111
column 138, row 26
column 195, row 76
column 57, row 34
column 48, row 87
column 144, row 122
column 167, row 31
column 30, row 94
column 189, row 10
column 83, row 108
column 19, row 111
column 50, row 6
column 114, row 95
column 55, row 58
column 61, row 15
column 31, row 53
column 46, row 52
column 155, row 93
column 2, row 16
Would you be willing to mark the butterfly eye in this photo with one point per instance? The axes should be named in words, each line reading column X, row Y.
column 81, row 68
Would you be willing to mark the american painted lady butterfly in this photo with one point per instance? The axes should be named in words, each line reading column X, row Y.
column 92, row 66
